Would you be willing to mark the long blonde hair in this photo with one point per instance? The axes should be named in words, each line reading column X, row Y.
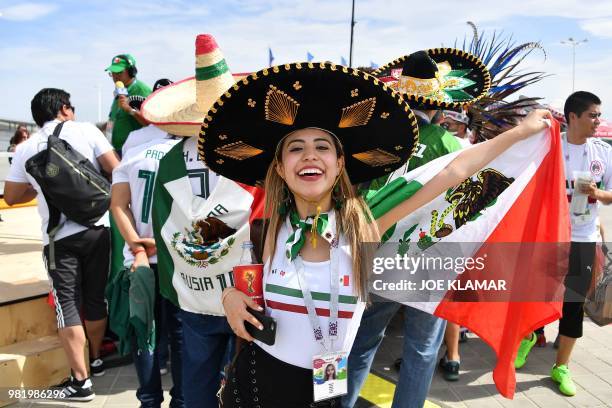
column 354, row 218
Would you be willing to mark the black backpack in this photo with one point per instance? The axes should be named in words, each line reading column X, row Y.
column 70, row 183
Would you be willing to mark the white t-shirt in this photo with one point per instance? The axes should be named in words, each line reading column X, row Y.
column 141, row 136
column 464, row 142
column 83, row 137
column 138, row 168
column 594, row 156
column 295, row 343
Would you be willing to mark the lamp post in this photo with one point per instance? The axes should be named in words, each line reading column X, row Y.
column 573, row 43
column 352, row 26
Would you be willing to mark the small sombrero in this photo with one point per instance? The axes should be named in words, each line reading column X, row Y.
column 179, row 108
column 241, row 131
column 437, row 78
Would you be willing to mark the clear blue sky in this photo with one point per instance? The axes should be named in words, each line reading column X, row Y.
column 67, row 44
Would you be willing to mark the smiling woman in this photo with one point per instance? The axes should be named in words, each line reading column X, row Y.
column 312, row 131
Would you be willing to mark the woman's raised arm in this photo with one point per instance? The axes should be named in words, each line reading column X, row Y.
column 465, row 165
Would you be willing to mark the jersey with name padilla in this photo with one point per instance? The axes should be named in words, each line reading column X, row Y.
column 595, row 157
column 295, row 343
column 139, row 168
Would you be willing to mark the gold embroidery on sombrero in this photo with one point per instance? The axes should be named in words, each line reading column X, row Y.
column 376, row 157
column 280, row 107
column 358, row 114
column 447, row 86
column 238, row 150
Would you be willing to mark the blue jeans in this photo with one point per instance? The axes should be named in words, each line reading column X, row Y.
column 207, row 347
column 423, row 334
column 149, row 392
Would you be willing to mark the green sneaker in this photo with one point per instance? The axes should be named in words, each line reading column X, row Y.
column 524, row 349
column 561, row 374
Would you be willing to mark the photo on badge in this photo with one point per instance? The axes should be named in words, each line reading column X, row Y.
column 329, row 375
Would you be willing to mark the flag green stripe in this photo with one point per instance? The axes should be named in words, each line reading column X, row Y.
column 281, row 290
column 171, row 167
column 211, row 71
column 392, row 195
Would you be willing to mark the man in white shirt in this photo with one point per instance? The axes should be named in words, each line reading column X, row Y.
column 81, row 253
column 592, row 157
column 457, row 124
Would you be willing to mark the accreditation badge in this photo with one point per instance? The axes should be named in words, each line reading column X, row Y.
column 330, row 375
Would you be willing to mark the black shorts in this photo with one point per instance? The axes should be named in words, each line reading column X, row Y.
column 577, row 282
column 79, row 280
column 258, row 379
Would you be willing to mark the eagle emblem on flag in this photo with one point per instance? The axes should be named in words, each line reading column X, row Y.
column 205, row 243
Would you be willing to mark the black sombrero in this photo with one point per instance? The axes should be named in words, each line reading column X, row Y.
column 437, row 78
column 241, row 131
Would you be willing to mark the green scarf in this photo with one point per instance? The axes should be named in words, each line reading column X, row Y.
column 321, row 225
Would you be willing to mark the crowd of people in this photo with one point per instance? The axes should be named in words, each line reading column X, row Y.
column 194, row 163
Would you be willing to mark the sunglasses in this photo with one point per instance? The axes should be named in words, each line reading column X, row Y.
column 72, row 108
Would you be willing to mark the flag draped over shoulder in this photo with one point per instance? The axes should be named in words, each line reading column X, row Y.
column 199, row 239
column 517, row 198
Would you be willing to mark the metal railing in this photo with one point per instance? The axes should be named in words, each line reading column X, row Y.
column 13, row 124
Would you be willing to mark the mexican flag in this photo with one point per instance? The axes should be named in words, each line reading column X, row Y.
column 519, row 198
column 199, row 240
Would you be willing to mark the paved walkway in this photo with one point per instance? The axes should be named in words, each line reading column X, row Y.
column 591, row 366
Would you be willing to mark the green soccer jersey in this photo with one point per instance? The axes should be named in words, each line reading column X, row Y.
column 434, row 142
column 123, row 122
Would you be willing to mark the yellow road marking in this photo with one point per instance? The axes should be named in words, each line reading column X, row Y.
column 5, row 206
column 379, row 391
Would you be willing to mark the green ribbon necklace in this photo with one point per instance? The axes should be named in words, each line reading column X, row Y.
column 319, row 225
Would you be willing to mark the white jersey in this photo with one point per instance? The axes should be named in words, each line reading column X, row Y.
column 139, row 168
column 84, row 138
column 464, row 142
column 295, row 343
column 141, row 136
column 594, row 156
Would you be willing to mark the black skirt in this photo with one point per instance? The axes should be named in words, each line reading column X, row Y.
column 259, row 380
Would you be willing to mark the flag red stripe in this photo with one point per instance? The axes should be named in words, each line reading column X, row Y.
column 259, row 198
column 342, row 314
column 540, row 214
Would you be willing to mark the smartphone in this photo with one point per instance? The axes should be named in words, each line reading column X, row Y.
column 268, row 334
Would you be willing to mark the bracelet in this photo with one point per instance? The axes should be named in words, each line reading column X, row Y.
column 133, row 112
column 138, row 250
column 226, row 292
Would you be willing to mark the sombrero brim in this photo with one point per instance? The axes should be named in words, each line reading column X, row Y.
column 458, row 59
column 173, row 108
column 241, row 131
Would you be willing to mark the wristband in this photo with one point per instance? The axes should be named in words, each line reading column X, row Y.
column 226, row 292
column 138, row 250
column 133, row 112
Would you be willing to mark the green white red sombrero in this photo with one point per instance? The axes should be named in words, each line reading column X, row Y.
column 437, row 78
column 180, row 108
